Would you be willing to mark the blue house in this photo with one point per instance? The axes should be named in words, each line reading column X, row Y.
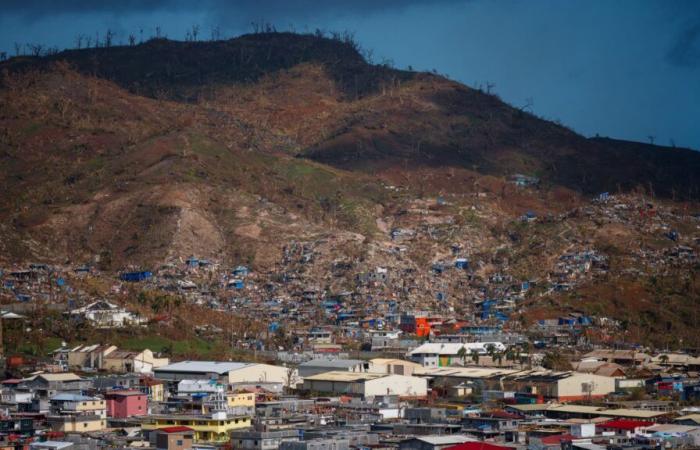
column 567, row 321
column 438, row 268
column 134, row 277
column 462, row 263
column 240, row 271
column 236, row 284
column 192, row 262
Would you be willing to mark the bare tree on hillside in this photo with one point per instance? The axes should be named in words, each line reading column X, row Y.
column 195, row 32
column 35, row 49
column 651, row 139
column 109, row 38
column 158, row 32
column 3, row 56
column 216, row 33
column 529, row 102
column 132, row 40
column 18, row 49
column 79, row 41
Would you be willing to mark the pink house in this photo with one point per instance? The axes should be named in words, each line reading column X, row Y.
column 123, row 404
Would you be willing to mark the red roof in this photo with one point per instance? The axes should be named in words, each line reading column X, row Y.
column 500, row 414
column 176, row 429
column 148, row 381
column 556, row 439
column 477, row 445
column 623, row 424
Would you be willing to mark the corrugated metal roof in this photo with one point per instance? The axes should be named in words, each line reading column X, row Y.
column 632, row 413
column 692, row 417
column 58, row 377
column 446, row 439
column 333, row 363
column 65, row 397
column 345, row 376
column 218, row 367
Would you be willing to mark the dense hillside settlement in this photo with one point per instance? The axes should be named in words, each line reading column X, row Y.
column 269, row 242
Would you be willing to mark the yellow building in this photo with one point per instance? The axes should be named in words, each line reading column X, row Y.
column 77, row 423
column 74, row 413
column 240, row 399
column 214, row 428
column 154, row 388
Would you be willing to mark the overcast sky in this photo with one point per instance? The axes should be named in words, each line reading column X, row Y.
column 627, row 69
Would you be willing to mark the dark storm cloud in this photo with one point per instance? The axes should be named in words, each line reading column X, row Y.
column 243, row 9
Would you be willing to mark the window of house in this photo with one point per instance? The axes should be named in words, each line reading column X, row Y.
column 179, row 442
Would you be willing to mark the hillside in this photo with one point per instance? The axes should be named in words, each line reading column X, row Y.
column 370, row 125
column 240, row 150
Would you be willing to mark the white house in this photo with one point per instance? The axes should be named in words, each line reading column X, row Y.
column 439, row 354
column 103, row 314
column 193, row 387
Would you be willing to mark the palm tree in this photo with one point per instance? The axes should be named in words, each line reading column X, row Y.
column 475, row 356
column 511, row 354
column 499, row 358
column 491, row 350
column 462, row 354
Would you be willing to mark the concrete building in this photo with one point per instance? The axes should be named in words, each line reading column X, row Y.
column 225, row 372
column 75, row 413
column 262, row 440
column 316, row 366
column 125, row 404
column 86, row 356
column 393, row 366
column 216, row 427
column 46, row 385
column 438, row 354
column 367, row 384
column 155, row 389
column 174, row 438
column 561, row 386
column 132, row 362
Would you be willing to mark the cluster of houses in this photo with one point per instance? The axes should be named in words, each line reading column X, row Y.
column 439, row 395
column 359, row 353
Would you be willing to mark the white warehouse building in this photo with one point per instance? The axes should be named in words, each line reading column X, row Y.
column 226, row 372
column 367, row 385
